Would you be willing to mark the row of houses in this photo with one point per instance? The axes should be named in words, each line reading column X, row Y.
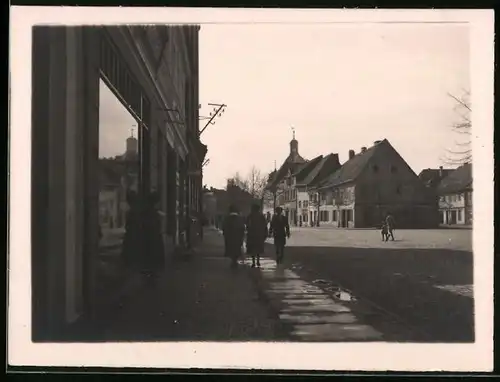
column 374, row 181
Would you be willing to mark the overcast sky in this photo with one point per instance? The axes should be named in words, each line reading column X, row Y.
column 115, row 124
column 341, row 86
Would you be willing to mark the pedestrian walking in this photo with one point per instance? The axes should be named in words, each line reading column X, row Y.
column 234, row 233
column 153, row 256
column 256, row 234
column 281, row 231
column 389, row 220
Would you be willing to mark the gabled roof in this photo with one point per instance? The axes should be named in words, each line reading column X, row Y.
column 457, row 181
column 304, row 169
column 290, row 164
column 327, row 166
column 351, row 169
column 431, row 177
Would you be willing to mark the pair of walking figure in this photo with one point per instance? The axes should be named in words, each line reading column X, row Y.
column 387, row 229
column 256, row 233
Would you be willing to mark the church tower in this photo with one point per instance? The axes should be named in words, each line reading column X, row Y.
column 294, row 147
column 132, row 146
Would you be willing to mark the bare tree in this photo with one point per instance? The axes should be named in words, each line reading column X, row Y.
column 462, row 152
column 254, row 183
column 237, row 180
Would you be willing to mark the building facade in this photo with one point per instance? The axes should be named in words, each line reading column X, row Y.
column 455, row 197
column 153, row 72
column 371, row 184
column 280, row 190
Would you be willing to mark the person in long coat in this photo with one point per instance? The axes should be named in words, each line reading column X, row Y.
column 132, row 239
column 256, row 234
column 389, row 221
column 234, row 234
column 281, row 231
column 153, row 256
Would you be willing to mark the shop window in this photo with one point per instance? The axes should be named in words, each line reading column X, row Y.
column 119, row 181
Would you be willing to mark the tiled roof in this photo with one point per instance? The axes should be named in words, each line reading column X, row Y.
column 431, row 177
column 290, row 163
column 457, row 181
column 327, row 166
column 352, row 168
column 305, row 169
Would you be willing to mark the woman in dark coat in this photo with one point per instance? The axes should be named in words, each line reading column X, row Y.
column 234, row 234
column 131, row 241
column 256, row 234
column 153, row 256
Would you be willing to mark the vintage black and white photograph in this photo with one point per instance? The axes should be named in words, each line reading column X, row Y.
column 260, row 183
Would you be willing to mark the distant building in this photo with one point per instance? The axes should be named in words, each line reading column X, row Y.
column 455, row 196
column 220, row 200
column 301, row 200
column 372, row 183
column 277, row 191
column 209, row 206
column 432, row 177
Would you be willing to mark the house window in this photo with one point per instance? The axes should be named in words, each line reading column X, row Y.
column 334, row 217
column 306, row 204
column 375, row 168
column 459, row 215
column 300, row 204
column 394, row 169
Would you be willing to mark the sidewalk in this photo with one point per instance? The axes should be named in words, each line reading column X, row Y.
column 199, row 300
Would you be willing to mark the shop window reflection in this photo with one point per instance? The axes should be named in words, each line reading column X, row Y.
column 118, row 184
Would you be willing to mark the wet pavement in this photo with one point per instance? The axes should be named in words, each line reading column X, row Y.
column 325, row 294
column 318, row 311
column 428, row 289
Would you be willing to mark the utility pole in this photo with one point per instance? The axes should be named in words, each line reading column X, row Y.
column 217, row 111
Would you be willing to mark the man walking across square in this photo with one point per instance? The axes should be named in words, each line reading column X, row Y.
column 281, row 231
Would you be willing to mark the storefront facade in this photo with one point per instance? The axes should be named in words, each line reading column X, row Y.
column 153, row 72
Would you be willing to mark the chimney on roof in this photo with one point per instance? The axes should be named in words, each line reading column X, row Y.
column 351, row 154
column 376, row 142
column 363, row 149
column 440, row 171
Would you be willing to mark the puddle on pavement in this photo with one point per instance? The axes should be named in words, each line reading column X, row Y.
column 313, row 314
